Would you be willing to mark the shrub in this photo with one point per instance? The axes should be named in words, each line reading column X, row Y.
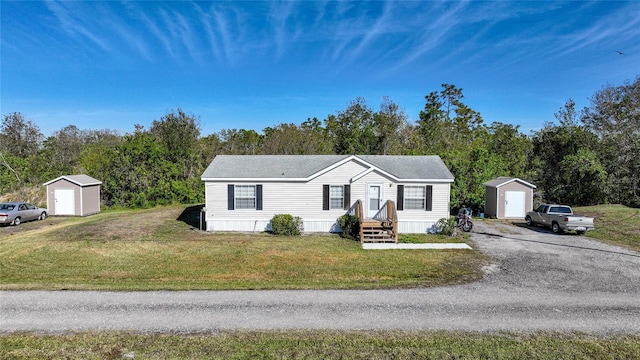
column 285, row 224
column 446, row 226
column 350, row 226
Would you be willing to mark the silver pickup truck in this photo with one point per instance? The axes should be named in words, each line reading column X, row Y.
column 559, row 218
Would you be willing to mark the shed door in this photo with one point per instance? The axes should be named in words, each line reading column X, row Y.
column 514, row 204
column 65, row 201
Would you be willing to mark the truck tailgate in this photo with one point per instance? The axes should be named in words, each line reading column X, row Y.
column 581, row 223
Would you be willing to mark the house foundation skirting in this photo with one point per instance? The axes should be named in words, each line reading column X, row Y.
column 416, row 227
column 311, row 226
column 265, row 225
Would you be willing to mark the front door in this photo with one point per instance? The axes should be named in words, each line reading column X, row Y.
column 374, row 199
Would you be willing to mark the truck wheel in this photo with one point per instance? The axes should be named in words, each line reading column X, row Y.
column 555, row 227
column 528, row 220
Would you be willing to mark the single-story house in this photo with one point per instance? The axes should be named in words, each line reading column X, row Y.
column 73, row 195
column 508, row 198
column 243, row 192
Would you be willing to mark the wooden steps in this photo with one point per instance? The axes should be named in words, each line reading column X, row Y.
column 375, row 231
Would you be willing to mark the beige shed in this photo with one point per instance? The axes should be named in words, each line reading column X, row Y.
column 73, row 195
column 507, row 198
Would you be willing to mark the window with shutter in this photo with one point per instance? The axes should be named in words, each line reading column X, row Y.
column 244, row 197
column 414, row 197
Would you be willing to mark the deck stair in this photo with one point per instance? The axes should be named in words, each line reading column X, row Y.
column 382, row 228
column 376, row 231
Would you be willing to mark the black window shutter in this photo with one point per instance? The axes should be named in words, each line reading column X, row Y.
column 230, row 197
column 325, row 197
column 347, row 197
column 258, row 197
column 400, row 202
column 429, row 197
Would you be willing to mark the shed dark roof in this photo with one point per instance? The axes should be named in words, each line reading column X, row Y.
column 504, row 180
column 304, row 167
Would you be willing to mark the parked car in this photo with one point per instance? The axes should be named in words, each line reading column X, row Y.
column 559, row 218
column 14, row 213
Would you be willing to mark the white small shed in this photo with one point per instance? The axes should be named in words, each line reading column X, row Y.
column 507, row 198
column 73, row 195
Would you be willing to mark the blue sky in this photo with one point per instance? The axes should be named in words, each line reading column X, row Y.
column 249, row 65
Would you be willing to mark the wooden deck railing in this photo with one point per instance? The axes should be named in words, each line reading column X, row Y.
column 377, row 229
column 389, row 217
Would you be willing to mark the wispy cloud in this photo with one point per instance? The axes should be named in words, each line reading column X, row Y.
column 283, row 26
column 212, row 37
column 71, row 19
column 436, row 32
column 380, row 27
column 602, row 31
column 382, row 38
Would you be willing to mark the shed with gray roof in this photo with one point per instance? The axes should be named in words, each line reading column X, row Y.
column 73, row 195
column 507, row 198
column 243, row 192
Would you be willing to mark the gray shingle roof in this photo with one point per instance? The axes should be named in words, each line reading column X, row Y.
column 81, row 180
column 503, row 180
column 305, row 166
column 411, row 167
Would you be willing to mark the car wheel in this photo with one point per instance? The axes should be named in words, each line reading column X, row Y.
column 17, row 221
column 43, row 216
column 555, row 227
column 528, row 220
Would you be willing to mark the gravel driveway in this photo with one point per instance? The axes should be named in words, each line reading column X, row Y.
column 539, row 281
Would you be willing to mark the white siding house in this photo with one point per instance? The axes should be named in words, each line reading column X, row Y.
column 243, row 192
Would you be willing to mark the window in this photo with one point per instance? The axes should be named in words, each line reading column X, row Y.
column 245, row 196
column 336, row 197
column 414, row 197
column 560, row 210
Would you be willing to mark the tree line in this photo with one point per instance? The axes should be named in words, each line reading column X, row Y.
column 585, row 157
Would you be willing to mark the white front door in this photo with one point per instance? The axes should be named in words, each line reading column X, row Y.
column 514, row 204
column 65, row 201
column 374, row 199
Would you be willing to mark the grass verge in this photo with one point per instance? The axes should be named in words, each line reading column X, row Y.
column 153, row 250
column 615, row 224
column 320, row 345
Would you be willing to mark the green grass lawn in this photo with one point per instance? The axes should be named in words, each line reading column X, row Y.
column 153, row 250
column 320, row 345
column 615, row 224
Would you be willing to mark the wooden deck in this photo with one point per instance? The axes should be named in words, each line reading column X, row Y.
column 383, row 228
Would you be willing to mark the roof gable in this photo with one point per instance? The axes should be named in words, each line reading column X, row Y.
column 80, row 180
column 307, row 167
column 504, row 180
